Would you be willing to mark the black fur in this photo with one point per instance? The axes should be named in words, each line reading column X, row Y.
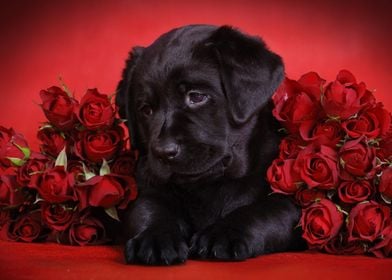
column 201, row 171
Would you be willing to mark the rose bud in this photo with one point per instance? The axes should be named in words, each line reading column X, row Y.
column 339, row 245
column 107, row 191
column 53, row 142
column 86, row 231
column 28, row 227
column 372, row 123
column 97, row 145
column 57, row 216
column 385, row 185
column 294, row 107
column 124, row 164
column 357, row 159
column 59, row 108
column 290, row 146
column 355, row 191
column 321, row 222
column 15, row 152
column 306, row 197
column 95, row 110
column 342, row 98
column 57, row 185
column 282, row 176
column 323, row 133
column 30, row 173
column 10, row 194
column 367, row 220
column 317, row 166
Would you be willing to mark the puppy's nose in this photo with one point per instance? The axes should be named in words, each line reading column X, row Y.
column 166, row 151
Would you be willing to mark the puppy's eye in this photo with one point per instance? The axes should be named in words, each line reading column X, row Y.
column 146, row 110
column 195, row 98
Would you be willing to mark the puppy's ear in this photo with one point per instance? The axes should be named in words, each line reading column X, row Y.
column 123, row 95
column 250, row 73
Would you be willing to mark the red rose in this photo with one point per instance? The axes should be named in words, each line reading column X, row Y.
column 10, row 193
column 290, row 147
column 85, row 231
column 75, row 168
column 357, row 159
column 294, row 107
column 384, row 247
column 282, row 176
column 385, row 186
column 367, row 220
column 385, row 147
column 124, row 164
column 317, row 166
column 53, row 142
column 28, row 227
column 323, row 133
column 372, row 123
column 4, row 217
column 5, row 232
column 30, row 173
column 107, row 191
column 15, row 152
column 5, row 135
column 339, row 245
column 342, row 98
column 368, row 100
column 354, row 191
column 306, row 197
column 313, row 84
column 59, row 108
column 57, row 185
column 320, row 223
column 98, row 145
column 95, row 110
column 57, row 216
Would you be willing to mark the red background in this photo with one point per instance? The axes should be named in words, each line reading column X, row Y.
column 86, row 42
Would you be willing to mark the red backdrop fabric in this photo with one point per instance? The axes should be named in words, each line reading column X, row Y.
column 86, row 42
column 52, row 261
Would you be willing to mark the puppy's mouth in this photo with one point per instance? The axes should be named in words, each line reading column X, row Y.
column 211, row 172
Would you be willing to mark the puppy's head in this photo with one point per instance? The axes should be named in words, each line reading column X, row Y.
column 190, row 99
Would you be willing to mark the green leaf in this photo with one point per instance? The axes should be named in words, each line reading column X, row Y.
column 87, row 173
column 105, row 168
column 386, row 199
column 45, row 126
column 38, row 199
column 61, row 159
column 16, row 161
column 25, row 150
column 65, row 87
column 112, row 213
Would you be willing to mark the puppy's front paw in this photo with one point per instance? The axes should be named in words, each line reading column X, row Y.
column 221, row 242
column 156, row 248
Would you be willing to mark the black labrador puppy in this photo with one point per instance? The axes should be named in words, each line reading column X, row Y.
column 198, row 107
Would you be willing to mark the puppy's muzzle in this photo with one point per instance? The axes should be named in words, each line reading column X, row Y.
column 166, row 151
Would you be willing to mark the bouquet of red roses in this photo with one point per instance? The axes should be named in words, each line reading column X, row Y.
column 82, row 176
column 336, row 161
